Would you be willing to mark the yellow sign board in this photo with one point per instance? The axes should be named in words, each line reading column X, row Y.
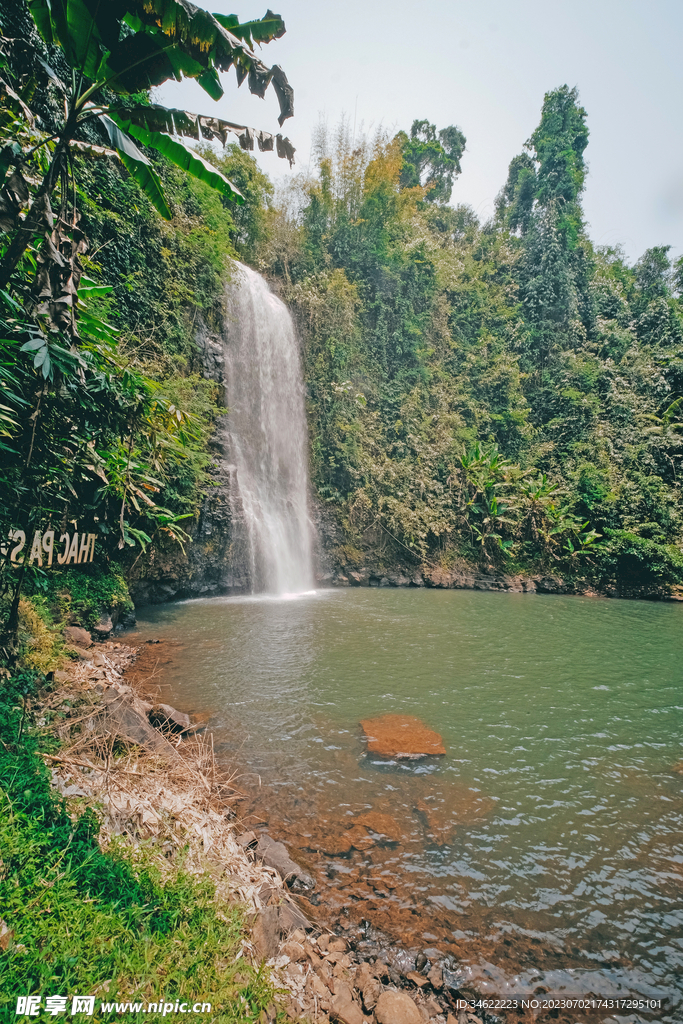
column 68, row 549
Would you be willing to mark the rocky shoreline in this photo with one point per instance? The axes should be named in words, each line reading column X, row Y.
column 168, row 791
column 469, row 578
column 217, row 563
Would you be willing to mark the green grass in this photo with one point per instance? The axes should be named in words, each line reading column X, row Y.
column 86, row 921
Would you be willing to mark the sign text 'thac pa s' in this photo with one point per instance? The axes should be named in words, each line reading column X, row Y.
column 68, row 549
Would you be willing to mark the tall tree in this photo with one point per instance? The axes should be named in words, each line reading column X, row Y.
column 432, row 158
column 552, row 171
column 541, row 200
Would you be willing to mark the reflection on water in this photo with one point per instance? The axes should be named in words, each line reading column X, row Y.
column 550, row 837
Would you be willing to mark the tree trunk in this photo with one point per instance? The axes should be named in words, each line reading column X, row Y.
column 33, row 224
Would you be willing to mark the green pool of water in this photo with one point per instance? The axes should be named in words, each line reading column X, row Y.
column 562, row 715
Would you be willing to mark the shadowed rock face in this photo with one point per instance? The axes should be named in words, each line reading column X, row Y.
column 401, row 736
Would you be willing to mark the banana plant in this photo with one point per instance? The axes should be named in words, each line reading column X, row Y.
column 486, row 477
column 117, row 49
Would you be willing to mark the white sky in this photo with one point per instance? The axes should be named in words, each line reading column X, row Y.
column 485, row 67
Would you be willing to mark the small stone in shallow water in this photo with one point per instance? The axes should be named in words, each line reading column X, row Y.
column 401, row 736
column 381, row 824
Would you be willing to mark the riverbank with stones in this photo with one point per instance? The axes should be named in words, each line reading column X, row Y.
column 167, row 791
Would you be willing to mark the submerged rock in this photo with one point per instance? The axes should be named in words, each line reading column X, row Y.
column 382, row 824
column 401, row 736
column 440, row 826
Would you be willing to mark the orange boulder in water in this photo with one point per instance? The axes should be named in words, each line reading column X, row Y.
column 401, row 736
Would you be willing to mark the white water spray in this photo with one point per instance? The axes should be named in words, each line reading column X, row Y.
column 267, row 435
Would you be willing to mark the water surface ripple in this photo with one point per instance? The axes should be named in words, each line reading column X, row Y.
column 562, row 718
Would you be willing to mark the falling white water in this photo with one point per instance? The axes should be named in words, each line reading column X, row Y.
column 267, row 435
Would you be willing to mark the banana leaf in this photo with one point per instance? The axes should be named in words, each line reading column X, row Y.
column 271, row 26
column 182, row 156
column 156, row 118
column 138, row 166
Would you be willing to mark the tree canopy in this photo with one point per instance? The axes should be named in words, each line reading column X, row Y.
column 431, row 159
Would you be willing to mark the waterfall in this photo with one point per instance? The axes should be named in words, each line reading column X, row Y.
column 266, row 435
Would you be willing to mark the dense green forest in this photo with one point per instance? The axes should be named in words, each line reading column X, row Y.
column 504, row 395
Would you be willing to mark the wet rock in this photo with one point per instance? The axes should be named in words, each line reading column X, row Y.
column 104, row 626
column 127, row 620
column 397, row 579
column 166, row 718
column 382, row 824
column 397, row 1008
column 550, row 585
column 275, row 855
column 401, row 736
column 452, row 980
column 78, row 636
